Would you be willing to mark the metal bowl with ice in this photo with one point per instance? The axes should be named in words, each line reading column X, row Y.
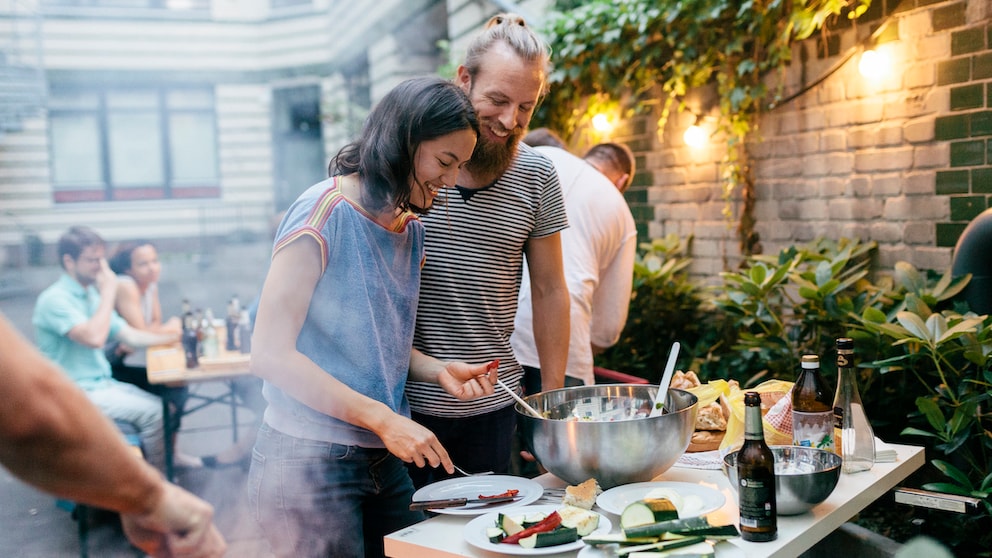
column 804, row 477
column 603, row 432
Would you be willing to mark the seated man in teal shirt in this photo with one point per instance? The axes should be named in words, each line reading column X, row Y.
column 74, row 318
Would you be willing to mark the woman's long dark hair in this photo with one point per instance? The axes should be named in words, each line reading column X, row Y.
column 120, row 262
column 417, row 110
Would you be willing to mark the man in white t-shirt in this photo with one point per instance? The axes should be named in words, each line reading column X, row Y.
column 597, row 253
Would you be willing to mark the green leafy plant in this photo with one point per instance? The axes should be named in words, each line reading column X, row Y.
column 796, row 303
column 628, row 49
column 925, row 361
column 941, row 359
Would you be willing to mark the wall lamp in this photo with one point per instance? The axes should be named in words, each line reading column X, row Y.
column 876, row 60
column 695, row 136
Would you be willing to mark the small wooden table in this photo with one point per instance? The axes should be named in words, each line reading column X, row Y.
column 167, row 365
column 442, row 536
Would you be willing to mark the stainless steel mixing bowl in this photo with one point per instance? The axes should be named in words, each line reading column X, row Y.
column 603, row 432
column 804, row 477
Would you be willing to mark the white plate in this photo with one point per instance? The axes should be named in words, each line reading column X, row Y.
column 475, row 533
column 698, row 499
column 722, row 549
column 472, row 487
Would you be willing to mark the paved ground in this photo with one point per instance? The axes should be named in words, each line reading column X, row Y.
column 33, row 527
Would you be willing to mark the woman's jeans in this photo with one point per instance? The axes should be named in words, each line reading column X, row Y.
column 318, row 499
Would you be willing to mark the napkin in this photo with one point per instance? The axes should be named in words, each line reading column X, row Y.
column 884, row 453
column 701, row 460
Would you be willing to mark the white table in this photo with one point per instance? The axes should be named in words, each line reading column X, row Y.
column 441, row 536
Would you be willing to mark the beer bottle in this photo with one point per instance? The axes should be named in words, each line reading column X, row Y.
column 756, row 477
column 812, row 407
column 852, row 430
column 190, row 341
column 233, row 315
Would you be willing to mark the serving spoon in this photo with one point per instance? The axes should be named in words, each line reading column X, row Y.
column 666, row 379
column 520, row 400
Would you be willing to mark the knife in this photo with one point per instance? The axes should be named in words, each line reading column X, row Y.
column 458, row 502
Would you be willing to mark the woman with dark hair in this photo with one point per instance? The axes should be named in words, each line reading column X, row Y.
column 333, row 334
column 138, row 270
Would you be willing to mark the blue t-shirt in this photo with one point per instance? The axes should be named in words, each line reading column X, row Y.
column 61, row 307
column 359, row 327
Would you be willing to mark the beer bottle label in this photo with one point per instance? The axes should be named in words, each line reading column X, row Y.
column 813, row 430
column 757, row 502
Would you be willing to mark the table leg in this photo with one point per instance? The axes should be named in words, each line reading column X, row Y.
column 234, row 411
column 168, row 435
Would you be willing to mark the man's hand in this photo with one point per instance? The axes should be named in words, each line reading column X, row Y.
column 469, row 381
column 106, row 280
column 181, row 525
column 173, row 325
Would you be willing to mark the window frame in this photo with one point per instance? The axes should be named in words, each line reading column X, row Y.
column 106, row 189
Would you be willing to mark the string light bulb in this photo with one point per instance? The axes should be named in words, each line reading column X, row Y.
column 601, row 123
column 695, row 136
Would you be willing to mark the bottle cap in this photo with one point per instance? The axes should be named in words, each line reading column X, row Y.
column 810, row 361
column 845, row 344
column 752, row 398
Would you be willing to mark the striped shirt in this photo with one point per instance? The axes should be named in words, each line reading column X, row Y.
column 471, row 278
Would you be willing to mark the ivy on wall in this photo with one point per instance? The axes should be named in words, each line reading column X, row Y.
column 623, row 50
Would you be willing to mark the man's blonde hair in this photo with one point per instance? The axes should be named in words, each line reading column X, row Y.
column 509, row 29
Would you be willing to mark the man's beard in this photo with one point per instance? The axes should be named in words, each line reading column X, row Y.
column 490, row 159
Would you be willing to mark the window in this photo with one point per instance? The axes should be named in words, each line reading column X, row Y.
column 288, row 3
column 131, row 5
column 127, row 144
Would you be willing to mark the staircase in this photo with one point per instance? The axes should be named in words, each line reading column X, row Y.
column 22, row 78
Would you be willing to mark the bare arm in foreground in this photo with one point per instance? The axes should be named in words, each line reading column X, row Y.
column 52, row 437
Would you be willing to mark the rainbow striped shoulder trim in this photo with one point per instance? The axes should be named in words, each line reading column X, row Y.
column 321, row 211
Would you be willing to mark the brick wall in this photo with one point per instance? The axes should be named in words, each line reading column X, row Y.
column 905, row 161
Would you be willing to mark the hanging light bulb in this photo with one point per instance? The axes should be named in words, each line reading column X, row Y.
column 695, row 136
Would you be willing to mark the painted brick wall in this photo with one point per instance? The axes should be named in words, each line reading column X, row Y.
column 905, row 161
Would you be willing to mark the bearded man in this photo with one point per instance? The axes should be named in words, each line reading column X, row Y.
column 506, row 206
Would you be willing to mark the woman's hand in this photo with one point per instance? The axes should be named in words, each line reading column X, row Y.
column 414, row 443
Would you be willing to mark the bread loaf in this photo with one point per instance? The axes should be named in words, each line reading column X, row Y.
column 582, row 495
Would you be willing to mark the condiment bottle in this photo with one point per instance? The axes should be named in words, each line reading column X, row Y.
column 244, row 332
column 211, row 347
column 852, row 430
column 812, row 408
column 756, row 477
column 233, row 315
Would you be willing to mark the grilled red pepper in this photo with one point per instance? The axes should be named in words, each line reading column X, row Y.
column 508, row 494
column 549, row 523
